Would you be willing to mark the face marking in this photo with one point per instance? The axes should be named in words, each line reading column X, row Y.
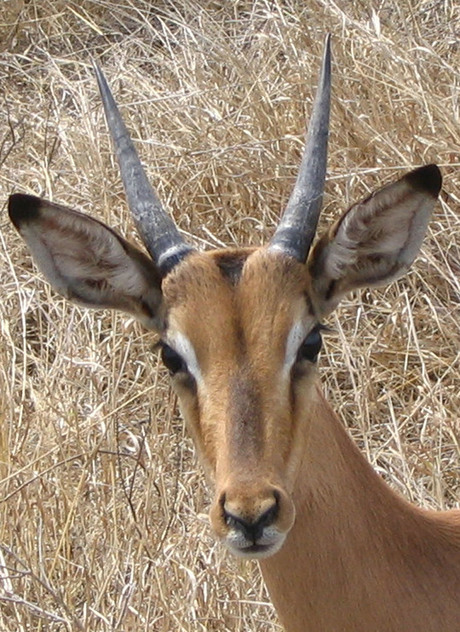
column 231, row 265
column 294, row 340
column 182, row 345
column 244, row 415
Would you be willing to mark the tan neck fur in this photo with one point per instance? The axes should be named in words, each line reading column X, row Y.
column 359, row 557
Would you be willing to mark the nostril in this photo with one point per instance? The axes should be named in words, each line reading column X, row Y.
column 251, row 527
column 235, row 522
column 269, row 515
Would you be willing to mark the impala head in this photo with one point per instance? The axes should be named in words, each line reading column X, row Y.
column 240, row 329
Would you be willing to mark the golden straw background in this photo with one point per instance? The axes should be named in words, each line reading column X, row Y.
column 102, row 503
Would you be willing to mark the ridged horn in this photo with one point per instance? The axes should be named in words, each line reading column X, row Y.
column 156, row 228
column 297, row 227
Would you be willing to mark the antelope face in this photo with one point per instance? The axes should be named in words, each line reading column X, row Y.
column 240, row 329
column 240, row 339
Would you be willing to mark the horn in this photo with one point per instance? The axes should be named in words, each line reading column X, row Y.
column 297, row 227
column 156, row 228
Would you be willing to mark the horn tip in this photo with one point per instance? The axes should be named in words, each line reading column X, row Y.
column 100, row 77
column 104, row 89
column 327, row 55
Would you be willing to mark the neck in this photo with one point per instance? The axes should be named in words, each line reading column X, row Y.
column 359, row 557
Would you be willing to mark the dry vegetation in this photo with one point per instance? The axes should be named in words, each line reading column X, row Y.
column 103, row 507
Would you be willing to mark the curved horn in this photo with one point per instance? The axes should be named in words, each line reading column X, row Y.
column 158, row 232
column 297, row 227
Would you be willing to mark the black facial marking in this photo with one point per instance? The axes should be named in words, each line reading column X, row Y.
column 231, row 265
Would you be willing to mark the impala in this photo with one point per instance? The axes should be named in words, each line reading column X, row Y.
column 240, row 334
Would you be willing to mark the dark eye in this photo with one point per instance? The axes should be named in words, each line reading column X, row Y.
column 311, row 346
column 172, row 360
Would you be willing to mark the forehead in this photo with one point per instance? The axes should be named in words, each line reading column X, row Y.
column 241, row 291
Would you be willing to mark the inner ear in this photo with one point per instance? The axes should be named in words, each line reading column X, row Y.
column 376, row 240
column 86, row 261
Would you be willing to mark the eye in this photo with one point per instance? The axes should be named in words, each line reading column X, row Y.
column 171, row 359
column 311, row 346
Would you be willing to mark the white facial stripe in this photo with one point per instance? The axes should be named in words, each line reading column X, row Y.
column 182, row 345
column 294, row 340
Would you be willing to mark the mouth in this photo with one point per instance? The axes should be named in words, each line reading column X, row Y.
column 256, row 551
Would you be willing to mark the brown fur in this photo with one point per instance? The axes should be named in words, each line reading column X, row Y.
column 358, row 557
column 355, row 557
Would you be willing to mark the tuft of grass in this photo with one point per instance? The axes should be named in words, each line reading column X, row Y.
column 102, row 505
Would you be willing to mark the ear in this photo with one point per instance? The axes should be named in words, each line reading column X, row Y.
column 86, row 261
column 376, row 240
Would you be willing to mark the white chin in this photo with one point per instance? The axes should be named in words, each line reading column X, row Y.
column 256, row 551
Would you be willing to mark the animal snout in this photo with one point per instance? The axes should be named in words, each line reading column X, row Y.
column 251, row 521
column 251, row 526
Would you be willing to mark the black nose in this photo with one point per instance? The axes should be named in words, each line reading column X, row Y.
column 252, row 529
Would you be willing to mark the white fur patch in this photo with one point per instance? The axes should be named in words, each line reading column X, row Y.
column 294, row 340
column 182, row 345
column 271, row 538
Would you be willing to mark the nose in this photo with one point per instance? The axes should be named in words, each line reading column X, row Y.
column 252, row 519
column 252, row 526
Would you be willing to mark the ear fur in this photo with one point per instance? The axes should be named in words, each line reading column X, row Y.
column 85, row 260
column 376, row 240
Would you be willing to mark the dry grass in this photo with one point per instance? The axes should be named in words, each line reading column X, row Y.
column 100, row 489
